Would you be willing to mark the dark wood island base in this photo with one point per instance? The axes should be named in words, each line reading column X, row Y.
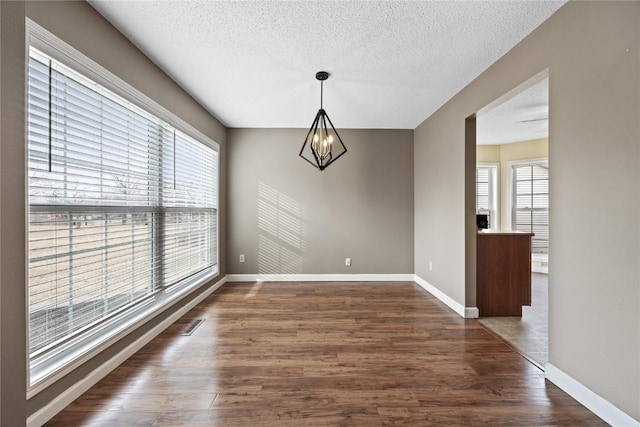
column 503, row 272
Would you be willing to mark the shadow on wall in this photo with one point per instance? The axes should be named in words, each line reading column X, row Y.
column 282, row 230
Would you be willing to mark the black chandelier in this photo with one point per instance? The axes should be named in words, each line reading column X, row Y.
column 322, row 145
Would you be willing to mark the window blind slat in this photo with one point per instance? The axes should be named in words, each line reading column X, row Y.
column 531, row 203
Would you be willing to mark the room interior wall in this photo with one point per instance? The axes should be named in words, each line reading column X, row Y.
column 79, row 25
column 487, row 153
column 12, row 215
column 470, row 225
column 591, row 52
column 287, row 217
column 439, row 199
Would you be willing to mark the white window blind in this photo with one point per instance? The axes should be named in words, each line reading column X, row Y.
column 531, row 203
column 122, row 205
column 487, row 193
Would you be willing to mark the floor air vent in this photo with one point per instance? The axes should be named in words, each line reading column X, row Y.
column 192, row 327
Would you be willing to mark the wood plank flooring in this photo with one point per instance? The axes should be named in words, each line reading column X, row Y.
column 325, row 354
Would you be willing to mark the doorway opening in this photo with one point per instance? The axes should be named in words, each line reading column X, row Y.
column 512, row 190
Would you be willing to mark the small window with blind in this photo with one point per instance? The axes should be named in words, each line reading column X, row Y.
column 487, row 193
column 530, row 203
column 122, row 210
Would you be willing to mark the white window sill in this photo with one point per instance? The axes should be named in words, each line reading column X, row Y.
column 47, row 368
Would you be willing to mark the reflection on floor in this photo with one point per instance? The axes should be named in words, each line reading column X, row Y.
column 530, row 333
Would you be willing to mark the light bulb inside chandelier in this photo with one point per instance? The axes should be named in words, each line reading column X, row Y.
column 322, row 150
column 323, row 145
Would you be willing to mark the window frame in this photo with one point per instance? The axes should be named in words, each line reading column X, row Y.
column 45, row 369
column 511, row 197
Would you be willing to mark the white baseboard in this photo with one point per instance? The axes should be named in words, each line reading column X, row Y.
column 450, row 302
column 593, row 402
column 48, row 411
column 320, row 277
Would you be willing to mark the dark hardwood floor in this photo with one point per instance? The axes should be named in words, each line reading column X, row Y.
column 325, row 354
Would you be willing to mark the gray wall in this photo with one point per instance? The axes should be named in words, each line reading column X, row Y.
column 84, row 29
column 439, row 155
column 591, row 51
column 12, row 216
column 289, row 218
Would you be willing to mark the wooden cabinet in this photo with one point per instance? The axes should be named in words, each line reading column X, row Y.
column 503, row 273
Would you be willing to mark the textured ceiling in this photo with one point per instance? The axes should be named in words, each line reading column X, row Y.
column 521, row 118
column 392, row 63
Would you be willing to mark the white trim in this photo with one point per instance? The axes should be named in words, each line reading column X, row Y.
column 593, row 402
column 533, row 160
column 61, row 401
column 320, row 277
column 471, row 313
column 450, row 302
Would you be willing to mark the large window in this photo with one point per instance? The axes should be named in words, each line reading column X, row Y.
column 487, row 193
column 122, row 207
column 530, row 203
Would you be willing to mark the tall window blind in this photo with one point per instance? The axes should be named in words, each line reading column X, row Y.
column 487, row 192
column 531, row 203
column 122, row 205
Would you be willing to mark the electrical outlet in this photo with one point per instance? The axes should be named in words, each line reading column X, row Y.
column 241, row 257
column 430, row 266
column 347, row 262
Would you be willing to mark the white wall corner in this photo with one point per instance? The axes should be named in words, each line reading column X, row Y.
column 471, row 313
column 446, row 299
column 61, row 401
column 592, row 401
